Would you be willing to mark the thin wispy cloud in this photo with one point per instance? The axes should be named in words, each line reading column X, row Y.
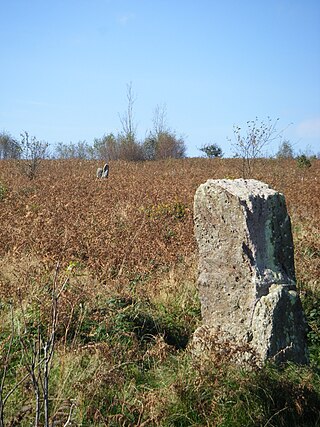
column 124, row 20
column 309, row 128
column 35, row 103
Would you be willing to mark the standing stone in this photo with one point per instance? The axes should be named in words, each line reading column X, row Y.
column 99, row 173
column 247, row 284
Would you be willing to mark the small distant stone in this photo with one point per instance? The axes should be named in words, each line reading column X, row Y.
column 103, row 172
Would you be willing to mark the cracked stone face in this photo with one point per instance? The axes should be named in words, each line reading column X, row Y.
column 246, row 249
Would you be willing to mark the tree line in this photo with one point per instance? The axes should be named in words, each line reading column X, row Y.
column 160, row 143
column 159, row 146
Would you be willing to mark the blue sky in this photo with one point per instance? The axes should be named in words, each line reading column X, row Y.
column 66, row 64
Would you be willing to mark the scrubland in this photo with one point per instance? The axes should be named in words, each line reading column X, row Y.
column 105, row 272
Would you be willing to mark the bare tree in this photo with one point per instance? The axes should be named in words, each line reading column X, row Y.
column 162, row 142
column 250, row 147
column 37, row 357
column 33, row 152
column 159, row 120
column 81, row 150
column 9, row 147
column 106, row 148
column 285, row 150
column 151, row 142
column 129, row 129
column 129, row 147
column 170, row 146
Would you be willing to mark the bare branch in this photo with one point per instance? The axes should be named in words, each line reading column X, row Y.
column 127, row 119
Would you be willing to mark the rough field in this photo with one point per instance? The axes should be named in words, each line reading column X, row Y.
column 123, row 254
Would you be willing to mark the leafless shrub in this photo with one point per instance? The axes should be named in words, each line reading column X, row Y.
column 33, row 152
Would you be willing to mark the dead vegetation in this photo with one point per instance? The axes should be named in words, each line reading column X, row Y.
column 127, row 254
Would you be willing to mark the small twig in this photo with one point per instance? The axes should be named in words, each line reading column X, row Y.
column 50, row 343
column 4, row 374
column 274, row 415
column 282, row 351
column 8, row 352
column 20, row 382
column 79, row 323
column 69, row 416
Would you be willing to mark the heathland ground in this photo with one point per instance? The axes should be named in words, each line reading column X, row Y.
column 115, row 261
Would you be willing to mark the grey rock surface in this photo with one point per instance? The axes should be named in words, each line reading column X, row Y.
column 246, row 280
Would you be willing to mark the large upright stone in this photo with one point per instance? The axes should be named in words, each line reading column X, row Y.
column 246, row 279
